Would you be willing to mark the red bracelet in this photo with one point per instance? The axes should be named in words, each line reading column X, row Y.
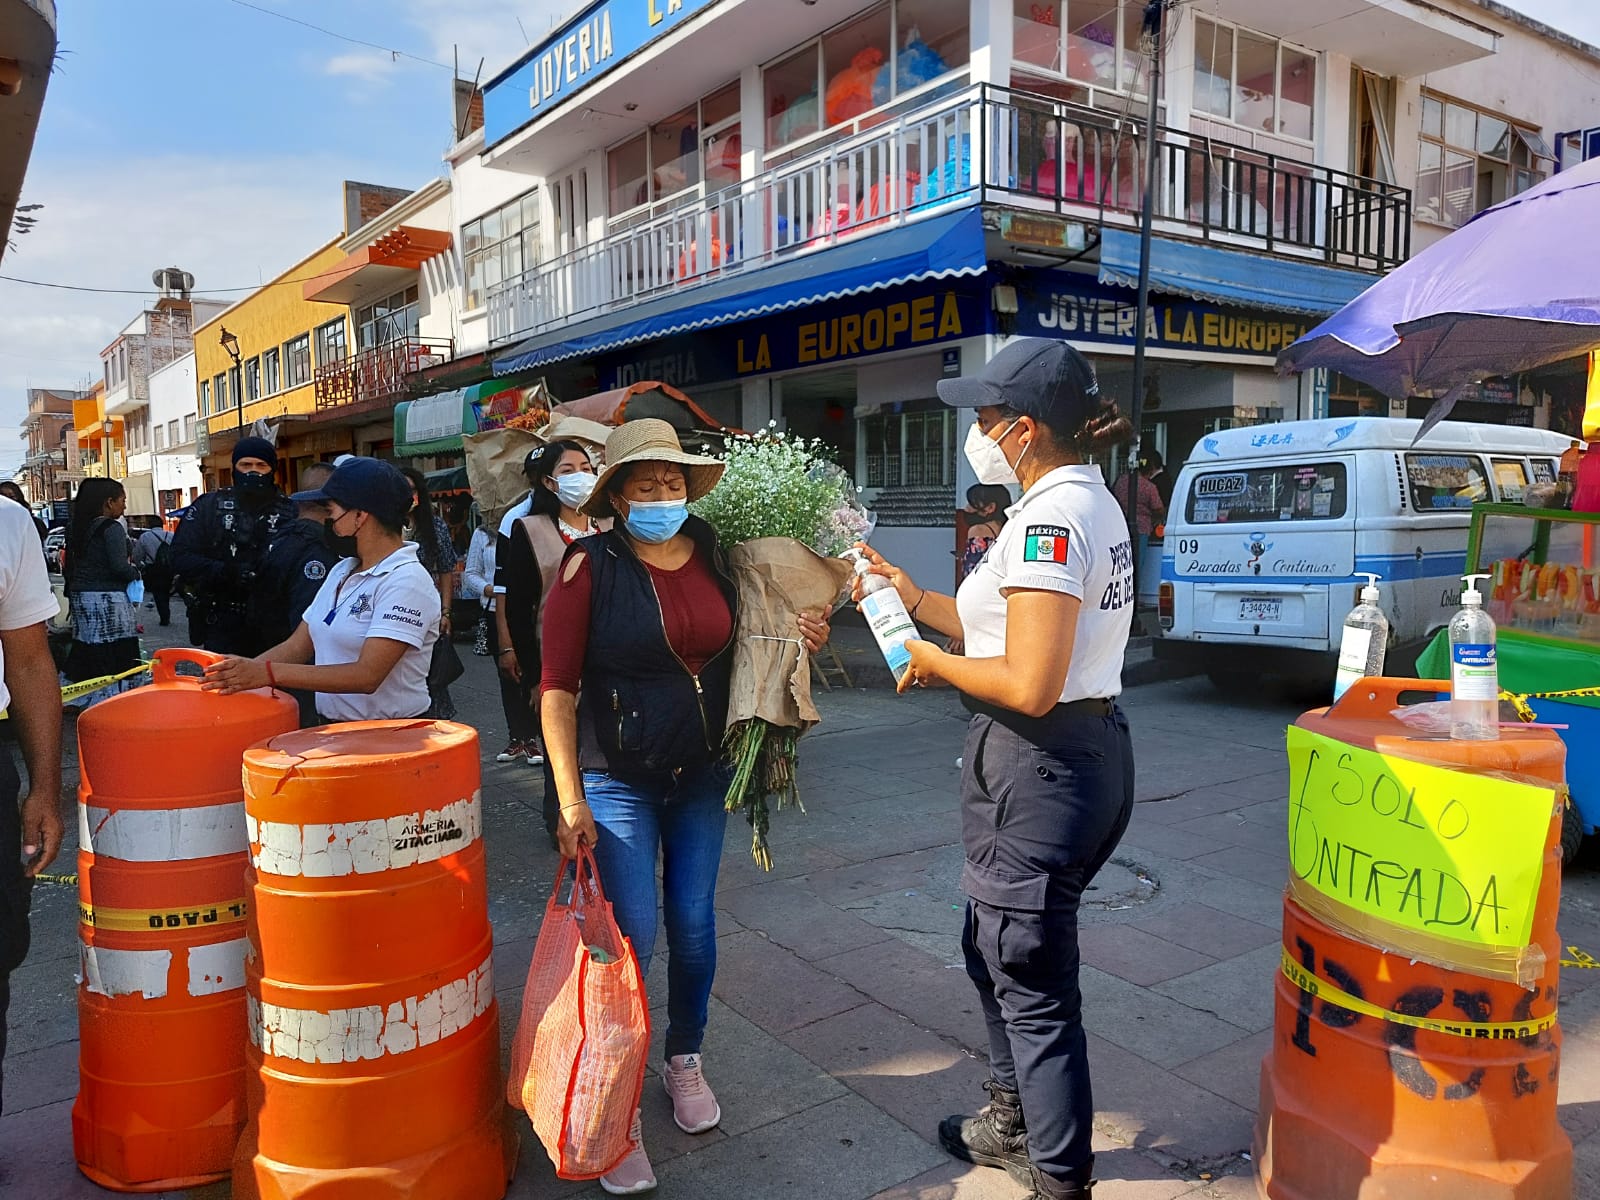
column 271, row 679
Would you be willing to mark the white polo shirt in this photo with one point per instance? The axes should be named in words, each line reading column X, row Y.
column 396, row 599
column 25, row 594
column 1066, row 534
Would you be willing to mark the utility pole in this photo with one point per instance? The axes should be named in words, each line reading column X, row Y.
column 1151, row 44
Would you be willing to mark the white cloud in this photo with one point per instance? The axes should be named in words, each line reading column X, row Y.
column 109, row 224
column 367, row 66
column 496, row 31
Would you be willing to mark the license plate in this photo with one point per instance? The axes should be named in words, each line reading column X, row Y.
column 1261, row 610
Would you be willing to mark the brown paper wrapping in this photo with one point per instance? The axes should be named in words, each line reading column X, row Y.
column 778, row 578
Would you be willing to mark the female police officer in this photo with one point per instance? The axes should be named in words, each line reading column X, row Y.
column 1047, row 785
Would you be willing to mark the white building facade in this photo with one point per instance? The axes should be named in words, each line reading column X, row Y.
column 813, row 212
column 171, row 460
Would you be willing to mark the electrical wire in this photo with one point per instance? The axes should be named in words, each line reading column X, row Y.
column 389, row 50
column 145, row 291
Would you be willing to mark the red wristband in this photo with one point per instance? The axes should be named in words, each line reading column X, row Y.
column 271, row 679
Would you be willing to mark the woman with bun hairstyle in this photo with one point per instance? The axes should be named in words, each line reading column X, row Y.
column 1047, row 775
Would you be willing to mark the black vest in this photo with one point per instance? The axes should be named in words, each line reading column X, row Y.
column 640, row 711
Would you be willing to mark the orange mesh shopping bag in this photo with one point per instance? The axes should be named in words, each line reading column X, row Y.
column 578, row 1058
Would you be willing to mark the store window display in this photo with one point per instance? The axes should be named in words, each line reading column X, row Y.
column 696, row 147
column 863, row 65
column 1095, row 42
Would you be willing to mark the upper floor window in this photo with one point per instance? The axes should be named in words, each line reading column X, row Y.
column 297, row 361
column 219, row 393
column 188, row 427
column 387, row 320
column 1469, row 160
column 864, row 64
column 331, row 344
column 205, row 397
column 172, row 432
column 500, row 245
column 252, row 379
column 700, row 145
column 1087, row 41
column 160, row 432
column 1255, row 81
column 271, row 372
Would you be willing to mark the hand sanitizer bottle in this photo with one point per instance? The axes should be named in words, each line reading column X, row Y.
column 1474, row 678
column 886, row 615
column 1365, row 639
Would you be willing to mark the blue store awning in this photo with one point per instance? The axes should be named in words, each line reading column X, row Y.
column 937, row 248
column 1239, row 278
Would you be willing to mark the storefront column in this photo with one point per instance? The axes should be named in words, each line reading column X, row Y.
column 975, row 352
column 755, row 404
column 993, row 22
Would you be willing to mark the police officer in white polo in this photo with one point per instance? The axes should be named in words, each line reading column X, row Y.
column 1047, row 783
column 365, row 643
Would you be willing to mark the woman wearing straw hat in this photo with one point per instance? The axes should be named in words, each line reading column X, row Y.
column 635, row 699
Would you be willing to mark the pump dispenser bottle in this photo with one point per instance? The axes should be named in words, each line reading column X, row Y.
column 1474, row 677
column 1365, row 639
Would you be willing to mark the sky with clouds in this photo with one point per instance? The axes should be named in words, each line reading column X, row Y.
column 210, row 135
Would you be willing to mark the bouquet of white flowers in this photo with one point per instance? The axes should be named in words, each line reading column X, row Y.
column 785, row 512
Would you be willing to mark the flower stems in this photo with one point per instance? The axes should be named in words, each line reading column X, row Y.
column 764, row 759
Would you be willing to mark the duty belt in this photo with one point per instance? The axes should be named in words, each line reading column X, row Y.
column 1095, row 707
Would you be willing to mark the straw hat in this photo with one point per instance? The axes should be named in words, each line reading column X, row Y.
column 649, row 440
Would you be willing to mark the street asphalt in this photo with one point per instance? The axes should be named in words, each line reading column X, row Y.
column 843, row 1026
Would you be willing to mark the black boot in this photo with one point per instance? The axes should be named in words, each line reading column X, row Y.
column 1044, row 1187
column 996, row 1137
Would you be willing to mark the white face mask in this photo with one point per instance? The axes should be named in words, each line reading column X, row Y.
column 988, row 460
column 575, row 488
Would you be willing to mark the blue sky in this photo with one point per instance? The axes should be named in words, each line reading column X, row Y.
column 208, row 135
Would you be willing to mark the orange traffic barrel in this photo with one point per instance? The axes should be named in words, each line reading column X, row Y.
column 162, row 900
column 1395, row 1077
column 374, row 1037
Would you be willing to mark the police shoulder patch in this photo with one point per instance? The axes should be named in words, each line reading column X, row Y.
column 1045, row 543
column 315, row 570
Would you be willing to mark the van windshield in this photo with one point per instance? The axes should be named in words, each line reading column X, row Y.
column 1255, row 495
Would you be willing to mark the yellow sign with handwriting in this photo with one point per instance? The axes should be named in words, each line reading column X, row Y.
column 1441, row 852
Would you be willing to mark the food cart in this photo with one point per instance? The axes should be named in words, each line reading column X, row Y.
column 1543, row 592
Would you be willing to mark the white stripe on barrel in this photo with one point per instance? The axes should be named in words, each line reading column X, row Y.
column 347, row 1035
column 217, row 968
column 124, row 972
column 328, row 851
column 162, row 834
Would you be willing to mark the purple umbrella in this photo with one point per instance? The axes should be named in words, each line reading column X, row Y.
column 1518, row 286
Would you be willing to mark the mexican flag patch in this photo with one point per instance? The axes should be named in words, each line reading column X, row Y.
column 1045, row 543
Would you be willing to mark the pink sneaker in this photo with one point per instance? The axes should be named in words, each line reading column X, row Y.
column 694, row 1108
column 633, row 1174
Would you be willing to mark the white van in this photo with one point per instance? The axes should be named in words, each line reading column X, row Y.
column 1269, row 525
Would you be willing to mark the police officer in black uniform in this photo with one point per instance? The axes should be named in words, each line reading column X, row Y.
column 296, row 563
column 1047, row 772
column 220, row 545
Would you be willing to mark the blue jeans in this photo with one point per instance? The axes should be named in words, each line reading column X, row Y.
column 682, row 819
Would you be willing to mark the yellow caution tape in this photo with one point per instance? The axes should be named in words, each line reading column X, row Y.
column 74, row 691
column 67, row 880
column 1496, row 1030
column 1525, row 713
column 143, row 920
column 1581, row 959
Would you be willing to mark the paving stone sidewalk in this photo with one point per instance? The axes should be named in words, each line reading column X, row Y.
column 843, row 1027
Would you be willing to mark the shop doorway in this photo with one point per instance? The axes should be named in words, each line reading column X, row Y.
column 822, row 404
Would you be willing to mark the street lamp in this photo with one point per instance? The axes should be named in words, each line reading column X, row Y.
column 230, row 343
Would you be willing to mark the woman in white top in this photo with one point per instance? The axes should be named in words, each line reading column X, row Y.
column 1047, row 773
column 367, row 639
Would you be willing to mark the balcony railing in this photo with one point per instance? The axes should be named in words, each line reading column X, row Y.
column 983, row 144
column 377, row 376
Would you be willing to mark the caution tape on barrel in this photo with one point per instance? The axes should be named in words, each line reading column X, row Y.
column 144, row 920
column 1525, row 713
column 1321, row 989
column 77, row 691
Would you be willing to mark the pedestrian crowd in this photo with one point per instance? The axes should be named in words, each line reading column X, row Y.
column 610, row 611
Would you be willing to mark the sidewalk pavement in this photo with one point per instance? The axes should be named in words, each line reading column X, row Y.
column 843, row 1026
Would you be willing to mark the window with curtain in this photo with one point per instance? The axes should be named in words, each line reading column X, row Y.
column 1254, row 81
column 499, row 245
column 1469, row 160
column 864, row 64
column 693, row 149
column 1095, row 42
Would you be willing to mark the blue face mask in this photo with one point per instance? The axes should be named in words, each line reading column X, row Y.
column 656, row 521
